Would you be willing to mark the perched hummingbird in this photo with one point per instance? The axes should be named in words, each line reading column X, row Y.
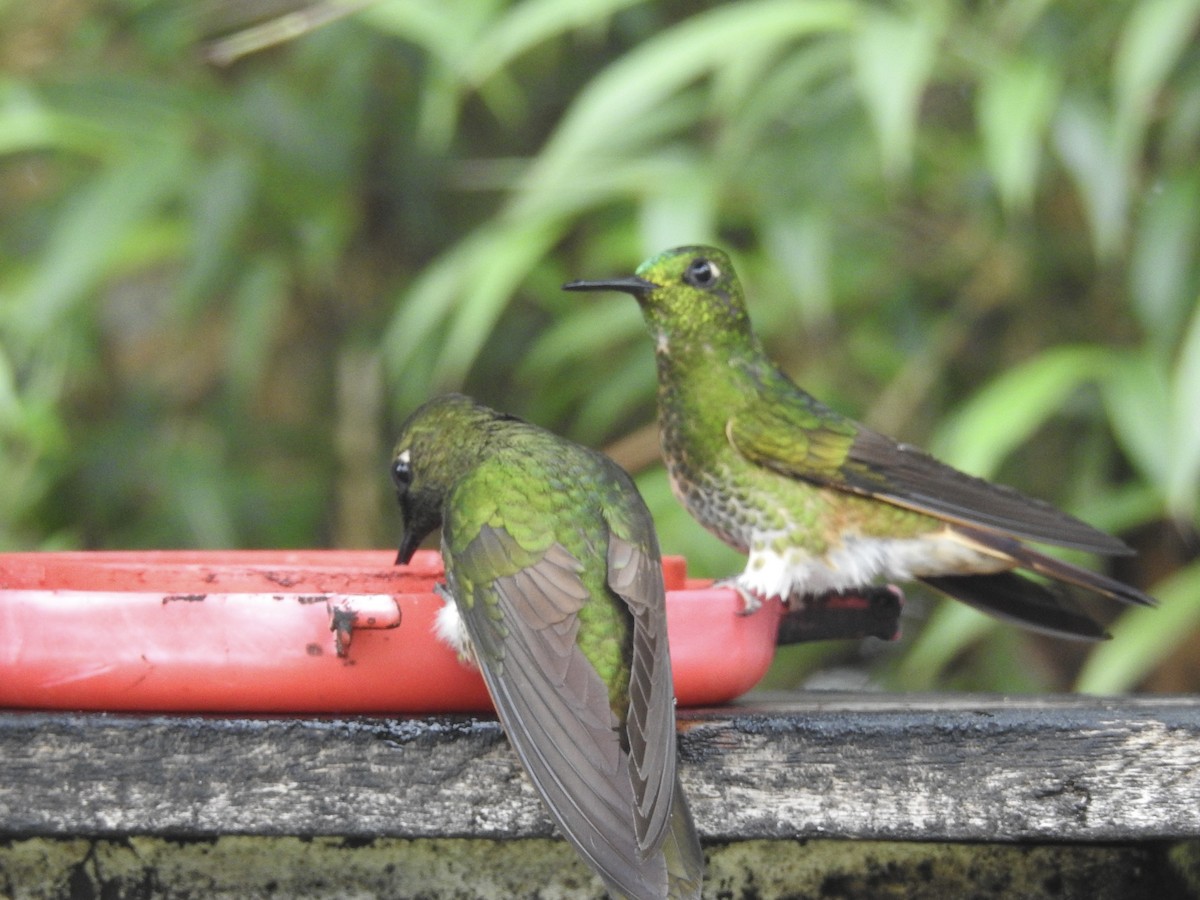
column 554, row 574
column 819, row 502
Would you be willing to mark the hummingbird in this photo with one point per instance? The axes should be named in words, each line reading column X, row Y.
column 820, row 503
column 554, row 589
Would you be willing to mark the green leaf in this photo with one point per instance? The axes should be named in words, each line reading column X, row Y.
column 10, row 400
column 443, row 30
column 421, row 311
column 1137, row 394
column 221, row 202
column 259, row 304
column 525, row 25
column 1160, row 271
column 893, row 60
column 447, row 34
column 457, row 299
column 27, row 123
column 1183, row 483
column 1122, row 509
column 801, row 248
column 1155, row 36
column 1142, row 638
column 200, row 491
column 575, row 335
column 1083, row 137
column 687, row 207
column 496, row 270
column 1006, row 413
column 608, row 403
column 1016, row 101
column 950, row 629
column 89, row 234
column 612, row 112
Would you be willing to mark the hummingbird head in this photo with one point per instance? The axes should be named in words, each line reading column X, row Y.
column 684, row 292
column 437, row 444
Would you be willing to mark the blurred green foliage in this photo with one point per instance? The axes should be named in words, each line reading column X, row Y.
column 973, row 225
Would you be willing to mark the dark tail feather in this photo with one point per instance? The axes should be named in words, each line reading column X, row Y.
column 681, row 848
column 1026, row 557
column 1084, row 578
column 1012, row 598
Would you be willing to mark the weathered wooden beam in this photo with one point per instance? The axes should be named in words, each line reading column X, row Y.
column 331, row 868
column 946, row 768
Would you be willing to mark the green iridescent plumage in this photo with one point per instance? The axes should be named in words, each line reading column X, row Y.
column 554, row 569
column 819, row 502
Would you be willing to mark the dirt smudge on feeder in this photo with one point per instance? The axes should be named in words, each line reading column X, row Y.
column 184, row 598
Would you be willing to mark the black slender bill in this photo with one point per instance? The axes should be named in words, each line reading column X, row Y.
column 631, row 285
column 408, row 546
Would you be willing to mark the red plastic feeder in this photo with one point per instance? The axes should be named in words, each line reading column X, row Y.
column 317, row 631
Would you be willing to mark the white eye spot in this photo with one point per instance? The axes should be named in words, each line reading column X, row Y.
column 402, row 469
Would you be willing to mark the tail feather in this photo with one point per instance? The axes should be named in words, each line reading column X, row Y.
column 1014, row 598
column 999, row 594
column 1085, row 578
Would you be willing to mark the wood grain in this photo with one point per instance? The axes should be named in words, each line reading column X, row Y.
column 889, row 767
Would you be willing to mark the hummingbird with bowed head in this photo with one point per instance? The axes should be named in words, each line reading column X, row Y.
column 554, row 589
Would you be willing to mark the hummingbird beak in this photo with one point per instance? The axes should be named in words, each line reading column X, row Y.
column 408, row 546
column 414, row 532
column 631, row 285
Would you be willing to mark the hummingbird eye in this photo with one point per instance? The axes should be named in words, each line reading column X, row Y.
column 402, row 471
column 701, row 273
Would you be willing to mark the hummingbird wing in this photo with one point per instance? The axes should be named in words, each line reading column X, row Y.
column 663, row 817
column 802, row 438
column 522, row 612
column 681, row 850
column 636, row 576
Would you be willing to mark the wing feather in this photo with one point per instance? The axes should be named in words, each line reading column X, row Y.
column 636, row 576
column 555, row 707
column 805, row 439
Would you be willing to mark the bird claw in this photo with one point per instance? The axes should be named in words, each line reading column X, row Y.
column 751, row 602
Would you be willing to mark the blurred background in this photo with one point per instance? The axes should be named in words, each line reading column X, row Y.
column 240, row 241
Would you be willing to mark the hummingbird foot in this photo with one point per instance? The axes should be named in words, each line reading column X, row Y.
column 751, row 601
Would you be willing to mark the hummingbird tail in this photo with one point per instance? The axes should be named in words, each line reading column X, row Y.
column 1084, row 578
column 1048, row 607
column 1014, row 598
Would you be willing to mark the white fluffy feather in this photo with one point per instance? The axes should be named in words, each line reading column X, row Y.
column 859, row 561
column 451, row 631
